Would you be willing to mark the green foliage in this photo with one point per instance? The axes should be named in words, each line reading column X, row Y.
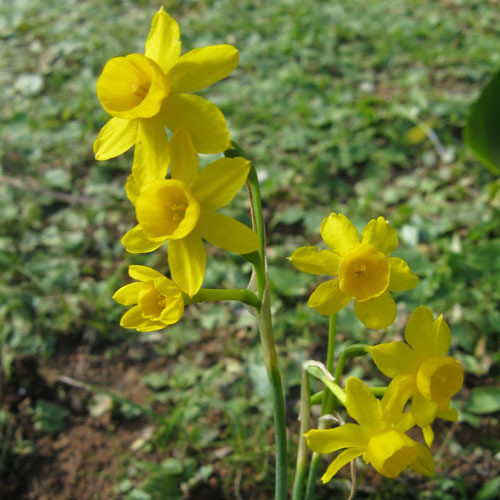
column 353, row 107
column 484, row 400
column 49, row 417
column 482, row 130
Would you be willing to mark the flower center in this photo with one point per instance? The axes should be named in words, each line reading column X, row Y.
column 151, row 302
column 439, row 378
column 391, row 452
column 166, row 209
column 132, row 87
column 363, row 272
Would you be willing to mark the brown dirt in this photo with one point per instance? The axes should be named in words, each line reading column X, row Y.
column 88, row 458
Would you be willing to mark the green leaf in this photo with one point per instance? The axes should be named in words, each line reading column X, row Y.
column 489, row 491
column 49, row 417
column 484, row 400
column 482, row 130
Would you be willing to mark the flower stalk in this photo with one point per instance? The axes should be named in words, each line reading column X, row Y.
column 264, row 320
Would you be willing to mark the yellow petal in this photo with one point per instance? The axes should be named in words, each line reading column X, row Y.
column 442, row 336
column 394, row 358
column 339, row 233
column 152, row 153
column 143, row 273
column 127, row 295
column 402, row 278
column 419, row 332
column 166, row 209
column 183, row 157
column 424, row 463
column 227, row 233
column 447, row 413
column 202, row 119
column 133, row 319
column 439, row 378
column 395, row 398
column 381, row 235
column 390, row 452
column 362, row 405
column 314, row 261
column 132, row 188
column 329, row 440
column 164, row 40
column 218, row 183
column 328, row 299
column 135, row 241
column 364, row 272
column 376, row 313
column 187, row 261
column 174, row 303
column 428, row 435
column 199, row 68
column 339, row 462
column 423, row 410
column 115, row 138
column 131, row 87
column 151, row 326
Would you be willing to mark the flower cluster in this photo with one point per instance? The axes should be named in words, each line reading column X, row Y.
column 144, row 94
column 421, row 371
column 364, row 272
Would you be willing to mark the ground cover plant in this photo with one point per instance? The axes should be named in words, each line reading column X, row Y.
column 360, row 107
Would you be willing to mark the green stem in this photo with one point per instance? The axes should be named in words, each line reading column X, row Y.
column 352, row 351
column 301, row 466
column 317, row 398
column 212, row 294
column 326, row 407
column 264, row 320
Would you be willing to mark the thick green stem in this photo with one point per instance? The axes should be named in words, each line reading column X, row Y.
column 264, row 319
column 301, row 466
column 214, row 294
column 326, row 407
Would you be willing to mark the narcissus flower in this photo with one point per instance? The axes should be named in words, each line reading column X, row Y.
column 145, row 92
column 183, row 210
column 379, row 436
column 157, row 300
column 363, row 270
column 421, row 368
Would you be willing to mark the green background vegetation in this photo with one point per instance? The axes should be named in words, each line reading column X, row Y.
column 347, row 106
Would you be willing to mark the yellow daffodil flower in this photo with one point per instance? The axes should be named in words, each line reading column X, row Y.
column 379, row 436
column 143, row 93
column 363, row 270
column 157, row 300
column 182, row 211
column 421, row 368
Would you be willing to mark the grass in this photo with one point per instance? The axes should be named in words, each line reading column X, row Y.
column 354, row 107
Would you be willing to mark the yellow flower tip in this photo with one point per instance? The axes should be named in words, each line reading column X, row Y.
column 133, row 86
column 364, row 272
column 167, row 209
